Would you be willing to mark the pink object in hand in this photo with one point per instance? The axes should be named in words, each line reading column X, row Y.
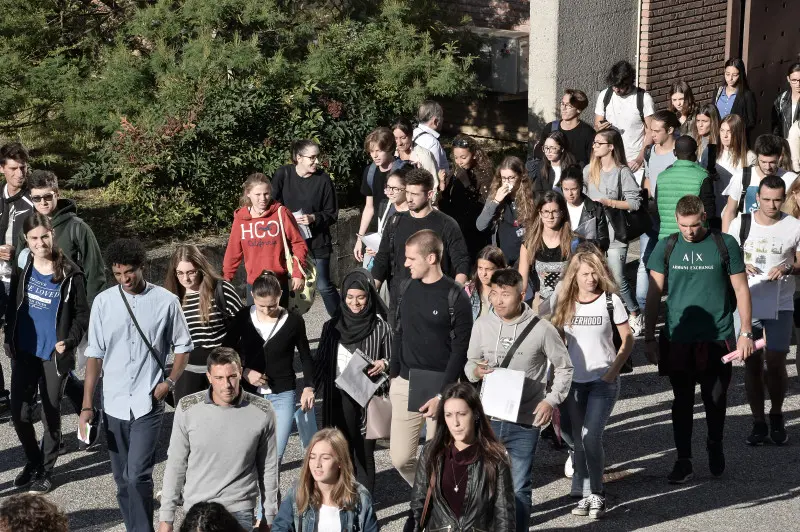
column 733, row 355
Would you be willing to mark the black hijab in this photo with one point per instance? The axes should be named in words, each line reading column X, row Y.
column 352, row 327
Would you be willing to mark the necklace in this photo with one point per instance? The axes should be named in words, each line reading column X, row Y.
column 452, row 459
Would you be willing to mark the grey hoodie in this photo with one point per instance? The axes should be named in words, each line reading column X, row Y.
column 492, row 337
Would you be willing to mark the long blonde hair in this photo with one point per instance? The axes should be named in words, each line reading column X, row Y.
column 524, row 195
column 613, row 137
column 567, row 299
column 709, row 110
column 209, row 278
column 344, row 493
column 790, row 206
column 738, row 147
column 534, row 226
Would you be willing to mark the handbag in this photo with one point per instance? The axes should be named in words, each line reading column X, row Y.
column 629, row 225
column 300, row 301
column 379, row 418
column 170, row 398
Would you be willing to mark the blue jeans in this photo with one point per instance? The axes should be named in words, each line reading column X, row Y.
column 616, row 262
column 520, row 442
column 283, row 404
column 646, row 244
column 330, row 296
column 589, row 406
column 244, row 518
column 132, row 448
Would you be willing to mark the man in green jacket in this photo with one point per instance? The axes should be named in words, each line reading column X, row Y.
column 683, row 177
column 76, row 239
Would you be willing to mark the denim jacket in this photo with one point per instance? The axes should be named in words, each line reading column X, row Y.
column 361, row 519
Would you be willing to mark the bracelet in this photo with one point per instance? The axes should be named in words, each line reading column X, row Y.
column 86, row 409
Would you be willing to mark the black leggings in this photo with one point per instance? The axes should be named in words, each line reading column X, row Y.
column 362, row 451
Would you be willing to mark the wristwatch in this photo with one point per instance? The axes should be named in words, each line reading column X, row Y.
column 170, row 383
column 747, row 335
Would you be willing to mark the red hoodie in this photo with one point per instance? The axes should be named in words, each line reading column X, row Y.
column 259, row 242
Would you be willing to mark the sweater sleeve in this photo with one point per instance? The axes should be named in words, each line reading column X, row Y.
column 80, row 314
column 276, row 190
column 177, row 463
column 267, row 470
column 460, row 343
column 397, row 349
column 456, row 248
column 233, row 253
column 553, row 346
column 484, row 220
column 329, row 211
column 301, row 343
column 474, row 354
column 630, row 189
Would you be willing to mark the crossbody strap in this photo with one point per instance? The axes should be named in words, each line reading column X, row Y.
column 141, row 333
column 288, row 253
column 513, row 349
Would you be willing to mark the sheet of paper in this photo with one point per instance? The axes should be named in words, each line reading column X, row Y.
column 501, row 393
column 87, row 430
column 764, row 296
column 304, row 229
column 372, row 240
column 588, row 229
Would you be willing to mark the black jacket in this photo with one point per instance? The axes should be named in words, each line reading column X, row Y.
column 72, row 316
column 781, row 109
column 745, row 106
column 593, row 209
column 22, row 206
column 480, row 513
column 540, row 185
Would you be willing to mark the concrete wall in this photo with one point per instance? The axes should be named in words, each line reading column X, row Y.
column 682, row 39
column 573, row 44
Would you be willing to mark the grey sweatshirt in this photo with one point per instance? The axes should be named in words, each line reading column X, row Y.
column 609, row 187
column 222, row 454
column 492, row 337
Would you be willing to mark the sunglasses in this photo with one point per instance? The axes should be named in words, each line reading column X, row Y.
column 46, row 197
column 461, row 143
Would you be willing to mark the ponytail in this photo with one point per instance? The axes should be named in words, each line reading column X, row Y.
column 267, row 285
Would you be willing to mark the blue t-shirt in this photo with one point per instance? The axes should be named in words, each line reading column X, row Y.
column 36, row 320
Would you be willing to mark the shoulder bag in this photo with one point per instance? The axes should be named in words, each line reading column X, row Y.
column 628, row 225
column 300, row 301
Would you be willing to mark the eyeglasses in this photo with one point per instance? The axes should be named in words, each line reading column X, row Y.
column 566, row 105
column 509, row 179
column 550, row 214
column 794, row 81
column 595, row 143
column 461, row 143
column 551, row 149
column 311, row 157
column 190, row 273
column 394, row 190
column 45, row 197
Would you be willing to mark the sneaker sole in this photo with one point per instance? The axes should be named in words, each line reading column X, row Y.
column 784, row 442
column 597, row 515
column 684, row 480
column 580, row 513
column 756, row 443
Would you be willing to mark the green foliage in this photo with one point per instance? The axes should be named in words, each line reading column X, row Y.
column 171, row 104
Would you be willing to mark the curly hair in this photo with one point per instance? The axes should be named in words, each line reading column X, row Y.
column 31, row 513
column 483, row 165
column 128, row 251
column 523, row 196
column 210, row 517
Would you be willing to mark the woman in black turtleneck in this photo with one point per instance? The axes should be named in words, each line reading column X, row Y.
column 464, row 474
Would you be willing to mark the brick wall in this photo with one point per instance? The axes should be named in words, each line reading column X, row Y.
column 682, row 39
column 499, row 14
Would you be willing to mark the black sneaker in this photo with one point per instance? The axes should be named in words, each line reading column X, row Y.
column 42, row 484
column 5, row 408
column 777, row 430
column 716, row 458
column 759, row 434
column 681, row 473
column 26, row 476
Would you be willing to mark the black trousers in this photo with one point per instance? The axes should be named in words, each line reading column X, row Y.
column 29, row 374
column 362, row 451
column 714, row 381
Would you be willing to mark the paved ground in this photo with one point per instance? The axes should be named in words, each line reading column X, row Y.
column 758, row 491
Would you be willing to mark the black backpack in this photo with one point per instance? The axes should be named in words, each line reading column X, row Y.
column 452, row 297
column 747, row 174
column 639, row 101
column 716, row 236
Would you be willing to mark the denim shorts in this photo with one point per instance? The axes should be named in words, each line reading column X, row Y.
column 778, row 332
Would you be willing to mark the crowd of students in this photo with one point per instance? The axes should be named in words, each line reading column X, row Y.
column 482, row 275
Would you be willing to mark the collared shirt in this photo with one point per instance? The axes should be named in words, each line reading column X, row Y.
column 429, row 139
column 130, row 373
column 725, row 103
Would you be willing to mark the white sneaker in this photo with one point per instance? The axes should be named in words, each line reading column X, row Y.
column 569, row 470
column 637, row 324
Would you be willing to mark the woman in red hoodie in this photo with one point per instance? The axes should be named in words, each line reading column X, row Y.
column 256, row 238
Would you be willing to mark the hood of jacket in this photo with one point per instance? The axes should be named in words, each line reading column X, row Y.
column 243, row 213
column 65, row 211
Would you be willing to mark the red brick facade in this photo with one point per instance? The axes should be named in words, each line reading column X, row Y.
column 499, row 14
column 682, row 39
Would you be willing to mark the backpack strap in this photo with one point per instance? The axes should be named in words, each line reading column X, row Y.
column 747, row 174
column 371, row 176
column 452, row 298
column 669, row 247
column 640, row 102
column 607, row 99
column 716, row 236
column 522, row 335
column 648, row 151
column 402, row 290
column 391, row 227
column 744, row 228
column 554, row 125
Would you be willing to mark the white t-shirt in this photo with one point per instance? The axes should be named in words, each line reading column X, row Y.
column 769, row 245
column 734, row 189
column 575, row 214
column 329, row 520
column 557, row 172
column 590, row 339
column 623, row 114
column 727, row 172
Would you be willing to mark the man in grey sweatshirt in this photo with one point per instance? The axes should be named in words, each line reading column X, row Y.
column 222, row 448
column 492, row 337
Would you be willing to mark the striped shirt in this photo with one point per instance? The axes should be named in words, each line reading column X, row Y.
column 210, row 335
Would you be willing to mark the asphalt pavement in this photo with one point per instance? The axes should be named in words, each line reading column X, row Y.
column 758, row 491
